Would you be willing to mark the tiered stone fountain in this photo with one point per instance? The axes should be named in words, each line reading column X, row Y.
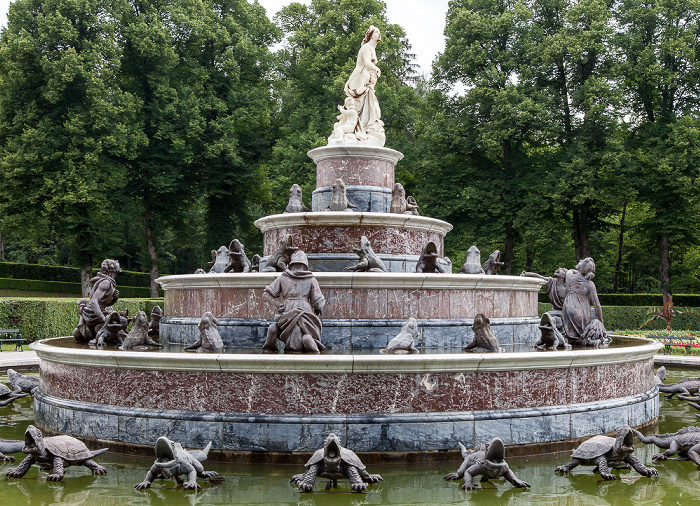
column 245, row 400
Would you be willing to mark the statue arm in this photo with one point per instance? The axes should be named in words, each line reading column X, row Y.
column 469, row 474
column 99, row 293
column 271, row 294
column 306, row 481
column 458, row 474
column 534, row 275
column 146, row 483
column 22, row 468
column 510, row 476
column 191, row 483
column 593, row 296
column 316, row 298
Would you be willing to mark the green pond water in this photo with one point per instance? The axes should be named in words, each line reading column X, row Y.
column 678, row 481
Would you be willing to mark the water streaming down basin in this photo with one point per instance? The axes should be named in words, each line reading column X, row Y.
column 403, row 483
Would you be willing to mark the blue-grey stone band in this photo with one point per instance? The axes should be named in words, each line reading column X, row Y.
column 363, row 433
column 357, row 333
column 368, row 199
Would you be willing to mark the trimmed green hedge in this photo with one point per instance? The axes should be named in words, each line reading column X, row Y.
column 65, row 274
column 639, row 299
column 41, row 318
column 633, row 317
column 35, row 285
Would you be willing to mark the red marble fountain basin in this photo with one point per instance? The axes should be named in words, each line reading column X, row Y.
column 289, row 402
column 363, row 295
column 340, row 232
column 363, row 310
column 355, row 165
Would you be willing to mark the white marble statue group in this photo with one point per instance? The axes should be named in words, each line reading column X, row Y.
column 359, row 120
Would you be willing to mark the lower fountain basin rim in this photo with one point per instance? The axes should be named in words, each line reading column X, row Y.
column 344, row 364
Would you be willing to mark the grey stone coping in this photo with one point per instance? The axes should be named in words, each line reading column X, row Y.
column 358, row 280
column 355, row 151
column 344, row 364
column 678, row 360
column 352, row 219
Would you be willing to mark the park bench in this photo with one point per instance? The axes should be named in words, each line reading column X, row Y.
column 15, row 337
column 685, row 342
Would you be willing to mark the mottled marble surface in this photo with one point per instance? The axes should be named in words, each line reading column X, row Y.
column 360, row 303
column 355, row 171
column 363, row 433
column 358, row 165
column 344, row 393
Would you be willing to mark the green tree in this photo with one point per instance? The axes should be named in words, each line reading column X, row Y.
column 65, row 127
column 573, row 63
column 501, row 116
column 199, row 70
column 660, row 71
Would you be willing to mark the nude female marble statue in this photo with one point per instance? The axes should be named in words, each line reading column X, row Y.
column 360, row 88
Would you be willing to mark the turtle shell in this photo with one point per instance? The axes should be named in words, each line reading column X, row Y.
column 594, row 447
column 4, row 390
column 315, row 458
column 347, row 456
column 68, row 448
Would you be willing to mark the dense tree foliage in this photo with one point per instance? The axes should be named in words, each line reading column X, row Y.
column 595, row 105
column 198, row 71
column 65, row 128
column 156, row 130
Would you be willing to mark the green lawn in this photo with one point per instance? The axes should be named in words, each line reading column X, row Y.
column 11, row 347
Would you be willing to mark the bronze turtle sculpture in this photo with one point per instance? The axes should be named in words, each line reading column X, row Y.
column 605, row 452
column 57, row 453
column 9, row 446
column 7, row 396
column 335, row 462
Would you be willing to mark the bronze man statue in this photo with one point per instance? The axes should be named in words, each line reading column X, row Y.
column 103, row 293
column 299, row 302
